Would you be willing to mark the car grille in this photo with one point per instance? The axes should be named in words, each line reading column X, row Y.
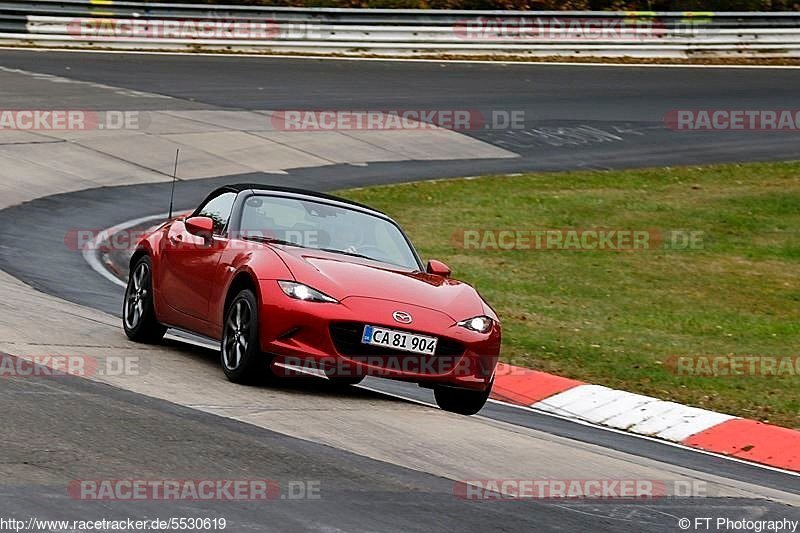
column 346, row 338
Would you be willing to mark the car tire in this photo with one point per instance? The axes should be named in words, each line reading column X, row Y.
column 138, row 312
column 461, row 401
column 240, row 350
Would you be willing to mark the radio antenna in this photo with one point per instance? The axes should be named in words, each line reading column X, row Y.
column 174, row 177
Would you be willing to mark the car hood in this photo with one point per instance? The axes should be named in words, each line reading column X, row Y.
column 342, row 276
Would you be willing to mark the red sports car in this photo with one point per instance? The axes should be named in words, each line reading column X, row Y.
column 285, row 278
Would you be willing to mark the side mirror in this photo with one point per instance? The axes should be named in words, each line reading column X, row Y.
column 438, row 268
column 200, row 226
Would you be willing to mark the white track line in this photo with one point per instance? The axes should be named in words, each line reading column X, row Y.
column 400, row 60
column 90, row 251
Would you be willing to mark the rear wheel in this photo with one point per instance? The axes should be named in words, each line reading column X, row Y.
column 241, row 356
column 461, row 401
column 138, row 312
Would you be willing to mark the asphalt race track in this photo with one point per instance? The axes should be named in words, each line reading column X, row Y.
column 625, row 102
column 382, row 458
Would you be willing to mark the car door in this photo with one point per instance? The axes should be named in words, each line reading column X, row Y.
column 190, row 262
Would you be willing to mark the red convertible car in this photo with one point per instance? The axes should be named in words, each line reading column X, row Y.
column 285, row 278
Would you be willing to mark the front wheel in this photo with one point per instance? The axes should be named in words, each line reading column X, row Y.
column 138, row 312
column 461, row 401
column 242, row 359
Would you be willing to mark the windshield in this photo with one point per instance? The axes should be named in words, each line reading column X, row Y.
column 323, row 226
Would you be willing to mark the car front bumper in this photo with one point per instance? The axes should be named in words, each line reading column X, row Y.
column 327, row 336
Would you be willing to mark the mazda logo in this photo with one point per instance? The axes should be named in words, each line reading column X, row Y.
column 402, row 317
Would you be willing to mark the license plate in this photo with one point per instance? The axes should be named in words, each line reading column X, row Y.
column 399, row 340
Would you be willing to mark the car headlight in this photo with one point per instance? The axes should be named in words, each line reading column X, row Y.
column 481, row 324
column 298, row 291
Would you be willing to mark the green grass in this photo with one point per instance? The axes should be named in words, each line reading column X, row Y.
column 614, row 318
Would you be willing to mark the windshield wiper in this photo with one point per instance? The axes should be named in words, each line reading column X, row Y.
column 270, row 240
column 354, row 254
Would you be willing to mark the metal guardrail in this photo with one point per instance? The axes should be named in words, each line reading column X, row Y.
column 107, row 24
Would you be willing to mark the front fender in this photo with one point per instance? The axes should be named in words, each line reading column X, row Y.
column 258, row 264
